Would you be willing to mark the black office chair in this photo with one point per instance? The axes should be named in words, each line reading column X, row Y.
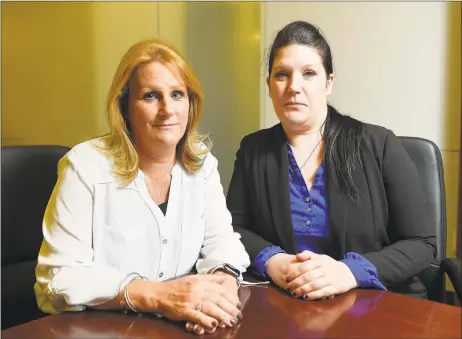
column 29, row 174
column 427, row 158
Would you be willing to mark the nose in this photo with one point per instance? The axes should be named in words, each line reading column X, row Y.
column 166, row 108
column 294, row 85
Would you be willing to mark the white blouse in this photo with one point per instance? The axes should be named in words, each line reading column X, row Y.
column 96, row 231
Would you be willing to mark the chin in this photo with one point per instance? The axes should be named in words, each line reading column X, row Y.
column 167, row 142
column 167, row 139
column 295, row 120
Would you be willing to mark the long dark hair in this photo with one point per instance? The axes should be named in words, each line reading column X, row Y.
column 342, row 136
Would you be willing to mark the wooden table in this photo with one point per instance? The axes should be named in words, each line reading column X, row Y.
column 271, row 313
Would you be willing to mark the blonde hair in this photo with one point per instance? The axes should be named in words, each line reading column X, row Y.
column 118, row 143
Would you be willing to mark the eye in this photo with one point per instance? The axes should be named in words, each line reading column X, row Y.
column 150, row 96
column 309, row 74
column 178, row 95
column 280, row 75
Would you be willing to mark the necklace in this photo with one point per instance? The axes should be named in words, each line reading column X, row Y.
column 165, row 178
column 309, row 156
column 158, row 189
column 314, row 148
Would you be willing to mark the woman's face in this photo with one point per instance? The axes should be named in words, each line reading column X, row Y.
column 158, row 105
column 298, row 86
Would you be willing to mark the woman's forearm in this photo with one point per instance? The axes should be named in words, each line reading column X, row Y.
column 144, row 296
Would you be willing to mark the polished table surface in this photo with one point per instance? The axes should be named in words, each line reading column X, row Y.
column 271, row 313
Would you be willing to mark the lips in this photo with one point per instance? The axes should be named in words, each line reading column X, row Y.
column 164, row 125
column 294, row 104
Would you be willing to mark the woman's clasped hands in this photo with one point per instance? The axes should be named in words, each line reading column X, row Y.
column 309, row 275
column 204, row 301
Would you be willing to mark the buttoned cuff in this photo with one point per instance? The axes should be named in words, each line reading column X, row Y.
column 363, row 270
column 260, row 260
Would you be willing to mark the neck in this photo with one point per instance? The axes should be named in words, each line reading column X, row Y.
column 157, row 162
column 311, row 132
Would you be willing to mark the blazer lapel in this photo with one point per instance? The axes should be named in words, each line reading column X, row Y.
column 348, row 221
column 337, row 211
column 277, row 181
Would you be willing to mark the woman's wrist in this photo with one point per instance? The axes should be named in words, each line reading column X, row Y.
column 271, row 262
column 351, row 279
column 145, row 295
column 226, row 274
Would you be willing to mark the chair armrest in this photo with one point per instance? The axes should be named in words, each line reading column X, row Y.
column 453, row 268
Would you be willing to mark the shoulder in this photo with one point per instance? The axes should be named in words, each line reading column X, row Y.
column 347, row 123
column 263, row 135
column 375, row 133
column 380, row 139
column 210, row 164
column 374, row 138
column 88, row 152
column 89, row 158
column 262, row 139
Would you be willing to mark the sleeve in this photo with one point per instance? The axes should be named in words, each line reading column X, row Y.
column 364, row 272
column 221, row 244
column 412, row 237
column 240, row 206
column 262, row 257
column 66, row 277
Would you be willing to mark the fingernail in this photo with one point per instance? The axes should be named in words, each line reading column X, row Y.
column 198, row 329
column 293, row 294
column 289, row 289
column 239, row 305
column 305, row 297
column 239, row 316
column 214, row 323
column 233, row 322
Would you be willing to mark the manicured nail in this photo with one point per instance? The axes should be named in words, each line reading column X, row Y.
column 239, row 305
column 233, row 322
column 214, row 323
column 289, row 289
column 239, row 316
column 305, row 297
column 293, row 294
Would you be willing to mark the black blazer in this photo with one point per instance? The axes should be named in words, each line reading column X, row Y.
column 389, row 226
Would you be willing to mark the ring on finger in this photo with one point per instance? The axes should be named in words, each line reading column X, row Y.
column 199, row 307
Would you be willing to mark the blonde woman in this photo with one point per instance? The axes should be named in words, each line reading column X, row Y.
column 138, row 208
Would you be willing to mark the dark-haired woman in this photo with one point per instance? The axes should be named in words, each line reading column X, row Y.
column 325, row 203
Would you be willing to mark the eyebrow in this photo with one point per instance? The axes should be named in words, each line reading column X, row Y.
column 157, row 88
column 281, row 65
